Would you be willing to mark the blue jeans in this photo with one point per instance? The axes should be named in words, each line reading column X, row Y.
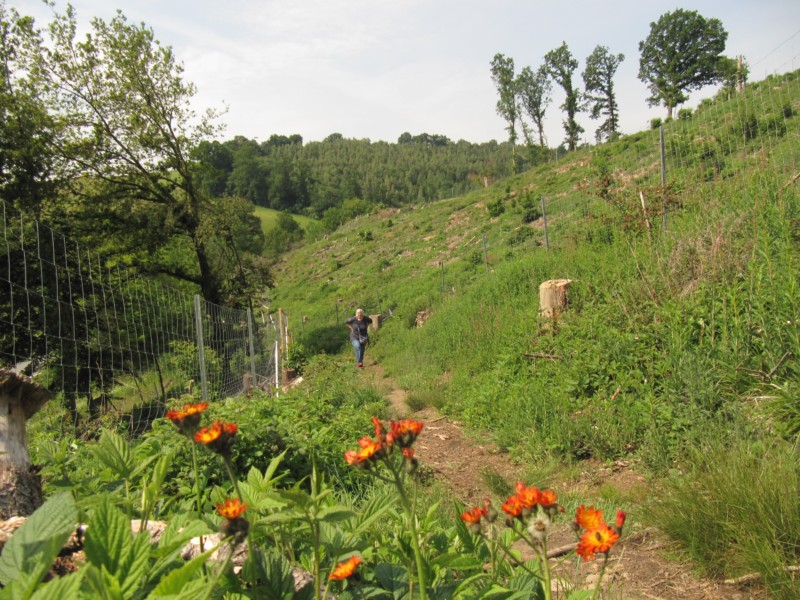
column 359, row 349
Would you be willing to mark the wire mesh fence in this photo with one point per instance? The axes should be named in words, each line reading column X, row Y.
column 107, row 342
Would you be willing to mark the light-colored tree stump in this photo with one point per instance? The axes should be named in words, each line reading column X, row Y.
column 553, row 297
column 20, row 486
column 376, row 323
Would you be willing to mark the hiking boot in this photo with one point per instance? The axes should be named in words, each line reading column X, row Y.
column 360, row 364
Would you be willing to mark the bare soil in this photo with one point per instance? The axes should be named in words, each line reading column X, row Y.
column 640, row 566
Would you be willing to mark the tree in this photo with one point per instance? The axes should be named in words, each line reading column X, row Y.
column 561, row 65
column 598, row 77
column 683, row 52
column 533, row 90
column 503, row 77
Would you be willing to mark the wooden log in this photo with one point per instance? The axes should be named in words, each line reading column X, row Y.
column 20, row 485
column 553, row 297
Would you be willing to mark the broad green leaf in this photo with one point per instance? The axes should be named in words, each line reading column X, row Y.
column 176, row 581
column 393, row 578
column 580, row 595
column 456, row 560
column 279, row 583
column 111, row 545
column 115, row 452
column 34, row 546
column 62, row 588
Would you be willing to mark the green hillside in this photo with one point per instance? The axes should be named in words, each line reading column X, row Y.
column 269, row 217
column 679, row 343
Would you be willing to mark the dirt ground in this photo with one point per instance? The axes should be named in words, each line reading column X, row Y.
column 638, row 569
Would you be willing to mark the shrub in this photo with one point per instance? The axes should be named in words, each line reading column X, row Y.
column 495, row 208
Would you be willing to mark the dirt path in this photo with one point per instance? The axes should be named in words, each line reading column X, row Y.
column 639, row 568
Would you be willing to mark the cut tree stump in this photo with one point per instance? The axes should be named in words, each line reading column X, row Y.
column 553, row 297
column 20, row 485
column 376, row 323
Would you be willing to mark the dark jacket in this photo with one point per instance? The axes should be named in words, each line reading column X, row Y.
column 358, row 329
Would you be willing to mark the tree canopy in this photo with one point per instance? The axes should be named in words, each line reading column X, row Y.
column 598, row 78
column 561, row 65
column 683, row 52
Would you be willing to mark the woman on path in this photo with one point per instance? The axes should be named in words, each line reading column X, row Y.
column 359, row 336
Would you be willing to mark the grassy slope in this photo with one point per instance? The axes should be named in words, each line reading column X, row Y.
column 269, row 216
column 673, row 339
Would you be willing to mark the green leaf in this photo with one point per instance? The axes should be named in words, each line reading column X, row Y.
column 114, row 452
column 35, row 545
column 393, row 578
column 456, row 560
column 176, row 581
column 335, row 515
column 63, row 588
column 111, row 546
column 580, row 595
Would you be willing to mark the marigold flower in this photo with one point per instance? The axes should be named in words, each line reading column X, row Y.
column 596, row 540
column 589, row 518
column 217, row 437
column 231, row 509
column 345, row 569
column 404, row 432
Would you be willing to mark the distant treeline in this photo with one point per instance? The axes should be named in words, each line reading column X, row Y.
column 285, row 174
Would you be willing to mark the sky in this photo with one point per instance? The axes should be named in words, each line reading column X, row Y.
column 374, row 69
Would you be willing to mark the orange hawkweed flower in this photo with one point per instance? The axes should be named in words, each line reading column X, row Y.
column 473, row 515
column 345, row 569
column 589, row 518
column 404, row 432
column 527, row 496
column 188, row 418
column 547, row 498
column 231, row 509
column 513, row 507
column 596, row 540
column 217, row 437
column 366, row 455
column 620, row 520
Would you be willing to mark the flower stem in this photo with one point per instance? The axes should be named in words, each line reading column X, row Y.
column 412, row 523
column 600, row 576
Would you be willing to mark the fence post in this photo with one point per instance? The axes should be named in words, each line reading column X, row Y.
column 277, row 367
column 663, row 175
column 252, row 348
column 544, row 218
column 485, row 254
column 201, row 351
column 441, row 264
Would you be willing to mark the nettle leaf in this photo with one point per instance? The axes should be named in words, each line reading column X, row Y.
column 65, row 588
column 111, row 545
column 393, row 579
column 35, row 545
column 115, row 452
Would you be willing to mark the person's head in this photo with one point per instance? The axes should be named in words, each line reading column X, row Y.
column 360, row 313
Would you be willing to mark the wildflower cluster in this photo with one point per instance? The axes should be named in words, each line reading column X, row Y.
column 234, row 525
column 188, row 418
column 401, row 434
column 345, row 569
column 598, row 536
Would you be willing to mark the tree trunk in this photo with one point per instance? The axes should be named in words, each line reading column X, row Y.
column 553, row 297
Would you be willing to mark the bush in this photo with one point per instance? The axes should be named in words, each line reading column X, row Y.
column 495, row 208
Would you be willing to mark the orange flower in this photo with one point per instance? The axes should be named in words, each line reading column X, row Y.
column 231, row 509
column 217, row 437
column 527, row 496
column 188, row 418
column 597, row 540
column 474, row 515
column 589, row 518
column 547, row 498
column 404, row 432
column 620, row 521
column 512, row 507
column 366, row 455
column 345, row 569
column 380, row 431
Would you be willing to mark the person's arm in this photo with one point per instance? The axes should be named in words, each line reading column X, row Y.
column 368, row 320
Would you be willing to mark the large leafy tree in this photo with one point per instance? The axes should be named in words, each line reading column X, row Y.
column 130, row 136
column 534, row 89
column 506, row 84
column 683, row 52
column 598, row 78
column 561, row 66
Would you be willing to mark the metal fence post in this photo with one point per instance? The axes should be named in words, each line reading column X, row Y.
column 201, row 351
column 252, row 347
column 544, row 218
column 663, row 176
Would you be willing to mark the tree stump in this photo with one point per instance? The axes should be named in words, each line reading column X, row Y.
column 553, row 297
column 20, row 485
column 376, row 323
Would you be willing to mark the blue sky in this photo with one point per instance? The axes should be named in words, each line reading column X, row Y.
column 375, row 69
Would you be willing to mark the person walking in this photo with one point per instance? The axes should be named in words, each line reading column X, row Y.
column 359, row 335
